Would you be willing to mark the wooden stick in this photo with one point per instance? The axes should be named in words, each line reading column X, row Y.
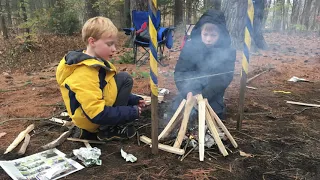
column 19, row 138
column 303, row 104
column 220, row 123
column 202, row 117
column 250, row 87
column 58, row 141
column 187, row 110
column 154, row 123
column 252, row 78
column 163, row 147
column 62, row 122
column 85, row 141
column 87, row 145
column 173, row 121
column 184, row 156
column 24, row 145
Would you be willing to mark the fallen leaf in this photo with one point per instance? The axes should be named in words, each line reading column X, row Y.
column 245, row 154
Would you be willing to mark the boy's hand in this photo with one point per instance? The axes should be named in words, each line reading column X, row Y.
column 139, row 108
column 142, row 103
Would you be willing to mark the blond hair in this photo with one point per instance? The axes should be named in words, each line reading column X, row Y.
column 96, row 27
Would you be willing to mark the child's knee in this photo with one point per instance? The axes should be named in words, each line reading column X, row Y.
column 125, row 77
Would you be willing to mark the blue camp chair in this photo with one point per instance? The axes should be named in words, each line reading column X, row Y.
column 165, row 36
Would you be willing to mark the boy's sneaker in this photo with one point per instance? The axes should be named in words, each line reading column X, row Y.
column 83, row 134
column 117, row 133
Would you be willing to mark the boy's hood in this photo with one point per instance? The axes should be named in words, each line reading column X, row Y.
column 215, row 17
column 73, row 59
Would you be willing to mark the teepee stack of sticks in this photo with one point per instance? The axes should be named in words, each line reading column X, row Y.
column 206, row 116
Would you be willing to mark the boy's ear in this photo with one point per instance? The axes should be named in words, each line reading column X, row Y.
column 91, row 41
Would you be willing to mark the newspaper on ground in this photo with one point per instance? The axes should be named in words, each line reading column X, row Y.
column 47, row 165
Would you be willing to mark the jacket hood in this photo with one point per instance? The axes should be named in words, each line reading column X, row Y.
column 214, row 17
column 73, row 59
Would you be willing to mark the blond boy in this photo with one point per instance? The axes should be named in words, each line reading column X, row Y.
column 97, row 97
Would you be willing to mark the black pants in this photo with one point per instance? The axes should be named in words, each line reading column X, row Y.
column 197, row 87
column 124, row 84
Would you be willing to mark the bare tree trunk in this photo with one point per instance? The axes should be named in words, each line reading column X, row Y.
column 25, row 16
column 189, row 11
column 278, row 8
column 127, row 13
column 315, row 11
column 164, row 14
column 91, row 9
column 258, row 38
column 140, row 5
column 3, row 22
column 306, row 14
column 295, row 12
column 195, row 5
column 178, row 13
column 8, row 10
column 266, row 13
column 216, row 4
column 235, row 12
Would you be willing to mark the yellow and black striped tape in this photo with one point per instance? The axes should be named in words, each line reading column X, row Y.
column 153, row 47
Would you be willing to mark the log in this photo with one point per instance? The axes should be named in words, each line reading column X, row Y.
column 163, row 147
column 202, row 128
column 24, row 145
column 303, row 104
column 182, row 132
column 85, row 141
column 213, row 129
column 200, row 97
column 58, row 141
column 220, row 123
column 19, row 138
column 173, row 121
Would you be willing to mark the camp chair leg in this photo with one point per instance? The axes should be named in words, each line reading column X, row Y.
column 135, row 49
column 141, row 61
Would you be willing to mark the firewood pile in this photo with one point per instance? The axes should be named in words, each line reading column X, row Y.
column 210, row 129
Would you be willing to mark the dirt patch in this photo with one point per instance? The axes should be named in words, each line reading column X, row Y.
column 283, row 138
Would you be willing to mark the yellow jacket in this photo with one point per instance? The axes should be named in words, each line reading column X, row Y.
column 89, row 91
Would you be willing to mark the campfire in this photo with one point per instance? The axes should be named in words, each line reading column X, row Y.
column 210, row 129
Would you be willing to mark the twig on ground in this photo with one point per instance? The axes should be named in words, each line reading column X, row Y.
column 257, row 113
column 138, row 138
column 257, row 75
column 57, row 141
column 143, row 126
column 211, row 155
column 251, row 136
column 305, row 134
column 30, row 118
column 26, row 119
column 182, row 158
column 111, row 154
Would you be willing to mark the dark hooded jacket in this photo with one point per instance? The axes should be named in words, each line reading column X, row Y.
column 197, row 60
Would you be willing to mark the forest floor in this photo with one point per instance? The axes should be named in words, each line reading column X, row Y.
column 283, row 139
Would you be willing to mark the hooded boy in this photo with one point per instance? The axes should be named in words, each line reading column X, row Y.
column 206, row 63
